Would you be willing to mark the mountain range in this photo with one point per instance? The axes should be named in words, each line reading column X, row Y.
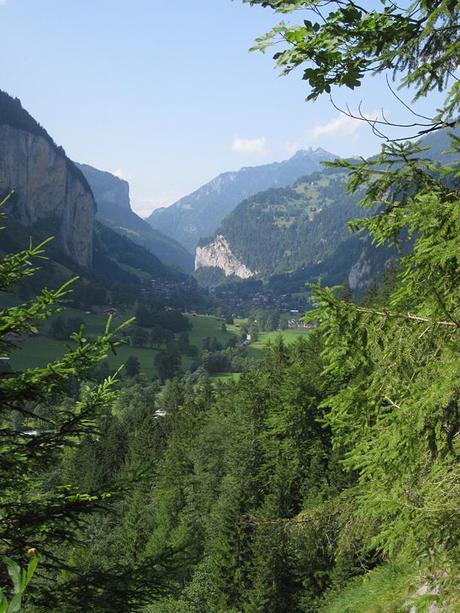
column 53, row 197
column 300, row 229
column 199, row 214
column 284, row 223
column 114, row 210
column 280, row 229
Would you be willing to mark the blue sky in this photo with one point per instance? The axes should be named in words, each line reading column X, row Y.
column 165, row 92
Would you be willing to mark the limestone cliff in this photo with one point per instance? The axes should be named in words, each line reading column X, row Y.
column 49, row 190
column 218, row 254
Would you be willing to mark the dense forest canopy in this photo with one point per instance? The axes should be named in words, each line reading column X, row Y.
column 326, row 478
column 282, row 229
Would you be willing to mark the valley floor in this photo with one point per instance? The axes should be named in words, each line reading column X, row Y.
column 37, row 351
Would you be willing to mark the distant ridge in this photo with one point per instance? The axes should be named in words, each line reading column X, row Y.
column 199, row 214
column 302, row 227
column 281, row 229
column 114, row 210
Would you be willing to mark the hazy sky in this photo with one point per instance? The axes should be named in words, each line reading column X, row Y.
column 165, row 92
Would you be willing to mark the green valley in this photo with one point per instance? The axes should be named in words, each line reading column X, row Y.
column 277, row 431
column 38, row 350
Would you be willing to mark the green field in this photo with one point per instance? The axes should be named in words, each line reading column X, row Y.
column 255, row 349
column 42, row 349
column 206, row 325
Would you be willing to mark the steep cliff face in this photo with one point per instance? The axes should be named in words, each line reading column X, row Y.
column 360, row 273
column 109, row 191
column 48, row 192
column 218, row 254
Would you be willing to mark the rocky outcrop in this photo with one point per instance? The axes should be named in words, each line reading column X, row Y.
column 49, row 191
column 360, row 273
column 218, row 254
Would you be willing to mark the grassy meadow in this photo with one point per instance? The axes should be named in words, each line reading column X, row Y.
column 41, row 349
column 256, row 348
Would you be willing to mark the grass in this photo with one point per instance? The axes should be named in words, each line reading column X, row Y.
column 206, row 325
column 36, row 352
column 256, row 349
column 41, row 349
column 146, row 359
column 387, row 589
column 94, row 323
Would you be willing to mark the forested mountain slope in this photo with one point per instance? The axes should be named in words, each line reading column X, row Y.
column 303, row 228
column 114, row 210
column 282, row 229
column 199, row 214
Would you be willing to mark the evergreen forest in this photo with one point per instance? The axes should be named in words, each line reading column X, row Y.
column 324, row 478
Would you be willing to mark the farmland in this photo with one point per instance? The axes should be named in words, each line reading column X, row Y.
column 42, row 348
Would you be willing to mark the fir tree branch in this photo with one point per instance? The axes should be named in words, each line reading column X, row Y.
column 408, row 316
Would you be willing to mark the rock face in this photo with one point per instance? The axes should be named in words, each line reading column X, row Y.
column 360, row 273
column 218, row 254
column 48, row 191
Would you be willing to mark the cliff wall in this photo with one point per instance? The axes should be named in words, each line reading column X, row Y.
column 47, row 192
column 218, row 254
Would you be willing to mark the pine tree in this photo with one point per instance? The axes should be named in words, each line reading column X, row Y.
column 41, row 421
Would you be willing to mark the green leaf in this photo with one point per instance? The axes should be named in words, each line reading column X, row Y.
column 30, row 571
column 15, row 604
column 14, row 572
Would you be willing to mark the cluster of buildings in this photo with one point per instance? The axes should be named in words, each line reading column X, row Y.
column 264, row 299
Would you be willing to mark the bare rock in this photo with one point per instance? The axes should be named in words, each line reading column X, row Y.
column 218, row 254
column 47, row 191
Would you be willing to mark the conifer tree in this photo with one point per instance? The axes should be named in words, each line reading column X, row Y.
column 44, row 416
column 392, row 366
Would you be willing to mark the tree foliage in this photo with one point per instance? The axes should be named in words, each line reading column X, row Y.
column 346, row 41
column 46, row 413
column 334, row 457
